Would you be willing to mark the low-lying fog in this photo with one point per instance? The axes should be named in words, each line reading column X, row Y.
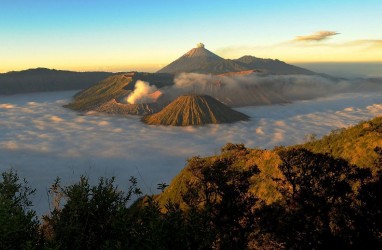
column 42, row 140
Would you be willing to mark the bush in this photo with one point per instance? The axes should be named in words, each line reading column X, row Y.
column 18, row 222
column 93, row 217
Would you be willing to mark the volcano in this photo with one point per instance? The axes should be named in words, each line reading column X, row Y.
column 192, row 61
column 108, row 95
column 189, row 110
column 201, row 60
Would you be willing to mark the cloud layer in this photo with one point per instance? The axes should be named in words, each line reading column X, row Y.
column 42, row 140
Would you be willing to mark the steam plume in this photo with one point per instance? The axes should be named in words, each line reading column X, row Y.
column 143, row 93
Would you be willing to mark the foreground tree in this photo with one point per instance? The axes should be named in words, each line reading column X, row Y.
column 18, row 222
column 320, row 200
column 219, row 192
column 92, row 217
column 370, row 209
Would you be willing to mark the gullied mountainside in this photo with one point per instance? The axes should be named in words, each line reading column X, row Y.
column 194, row 110
column 100, row 93
column 114, row 107
column 42, row 79
column 355, row 144
column 105, row 95
column 201, row 60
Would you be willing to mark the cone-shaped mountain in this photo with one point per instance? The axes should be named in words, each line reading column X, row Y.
column 196, row 60
column 194, row 110
column 201, row 60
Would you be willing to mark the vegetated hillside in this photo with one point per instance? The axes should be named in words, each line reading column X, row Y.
column 201, row 60
column 194, row 110
column 104, row 96
column 264, row 185
column 42, row 79
column 355, row 144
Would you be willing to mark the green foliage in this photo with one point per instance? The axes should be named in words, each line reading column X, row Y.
column 92, row 217
column 321, row 207
column 221, row 193
column 355, row 144
column 370, row 212
column 18, row 223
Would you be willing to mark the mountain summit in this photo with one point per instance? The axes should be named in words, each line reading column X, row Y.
column 198, row 59
column 201, row 60
column 202, row 53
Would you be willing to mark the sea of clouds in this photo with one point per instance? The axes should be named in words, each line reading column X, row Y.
column 42, row 140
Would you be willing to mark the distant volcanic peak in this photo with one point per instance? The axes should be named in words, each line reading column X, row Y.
column 200, row 45
column 200, row 51
column 196, row 60
column 201, row 60
column 191, row 110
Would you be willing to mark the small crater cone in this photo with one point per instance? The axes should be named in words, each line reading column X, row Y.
column 190, row 110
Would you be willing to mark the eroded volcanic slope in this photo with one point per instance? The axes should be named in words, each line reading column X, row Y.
column 189, row 110
column 105, row 96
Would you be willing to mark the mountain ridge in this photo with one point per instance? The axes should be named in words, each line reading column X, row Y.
column 44, row 79
column 201, row 60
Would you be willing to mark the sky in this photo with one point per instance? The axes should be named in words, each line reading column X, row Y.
column 146, row 35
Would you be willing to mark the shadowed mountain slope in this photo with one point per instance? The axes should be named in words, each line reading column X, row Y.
column 194, row 110
column 42, row 79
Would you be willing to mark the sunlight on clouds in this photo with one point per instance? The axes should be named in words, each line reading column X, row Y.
column 311, row 48
column 6, row 106
column 45, row 138
column 55, row 118
column 317, row 36
column 375, row 109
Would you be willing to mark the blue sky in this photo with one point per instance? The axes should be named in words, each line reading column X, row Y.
column 145, row 35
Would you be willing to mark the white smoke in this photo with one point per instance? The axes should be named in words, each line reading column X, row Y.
column 143, row 93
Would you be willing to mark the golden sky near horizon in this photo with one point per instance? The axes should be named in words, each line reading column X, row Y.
column 147, row 35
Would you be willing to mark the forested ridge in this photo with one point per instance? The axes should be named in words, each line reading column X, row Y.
column 324, row 194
